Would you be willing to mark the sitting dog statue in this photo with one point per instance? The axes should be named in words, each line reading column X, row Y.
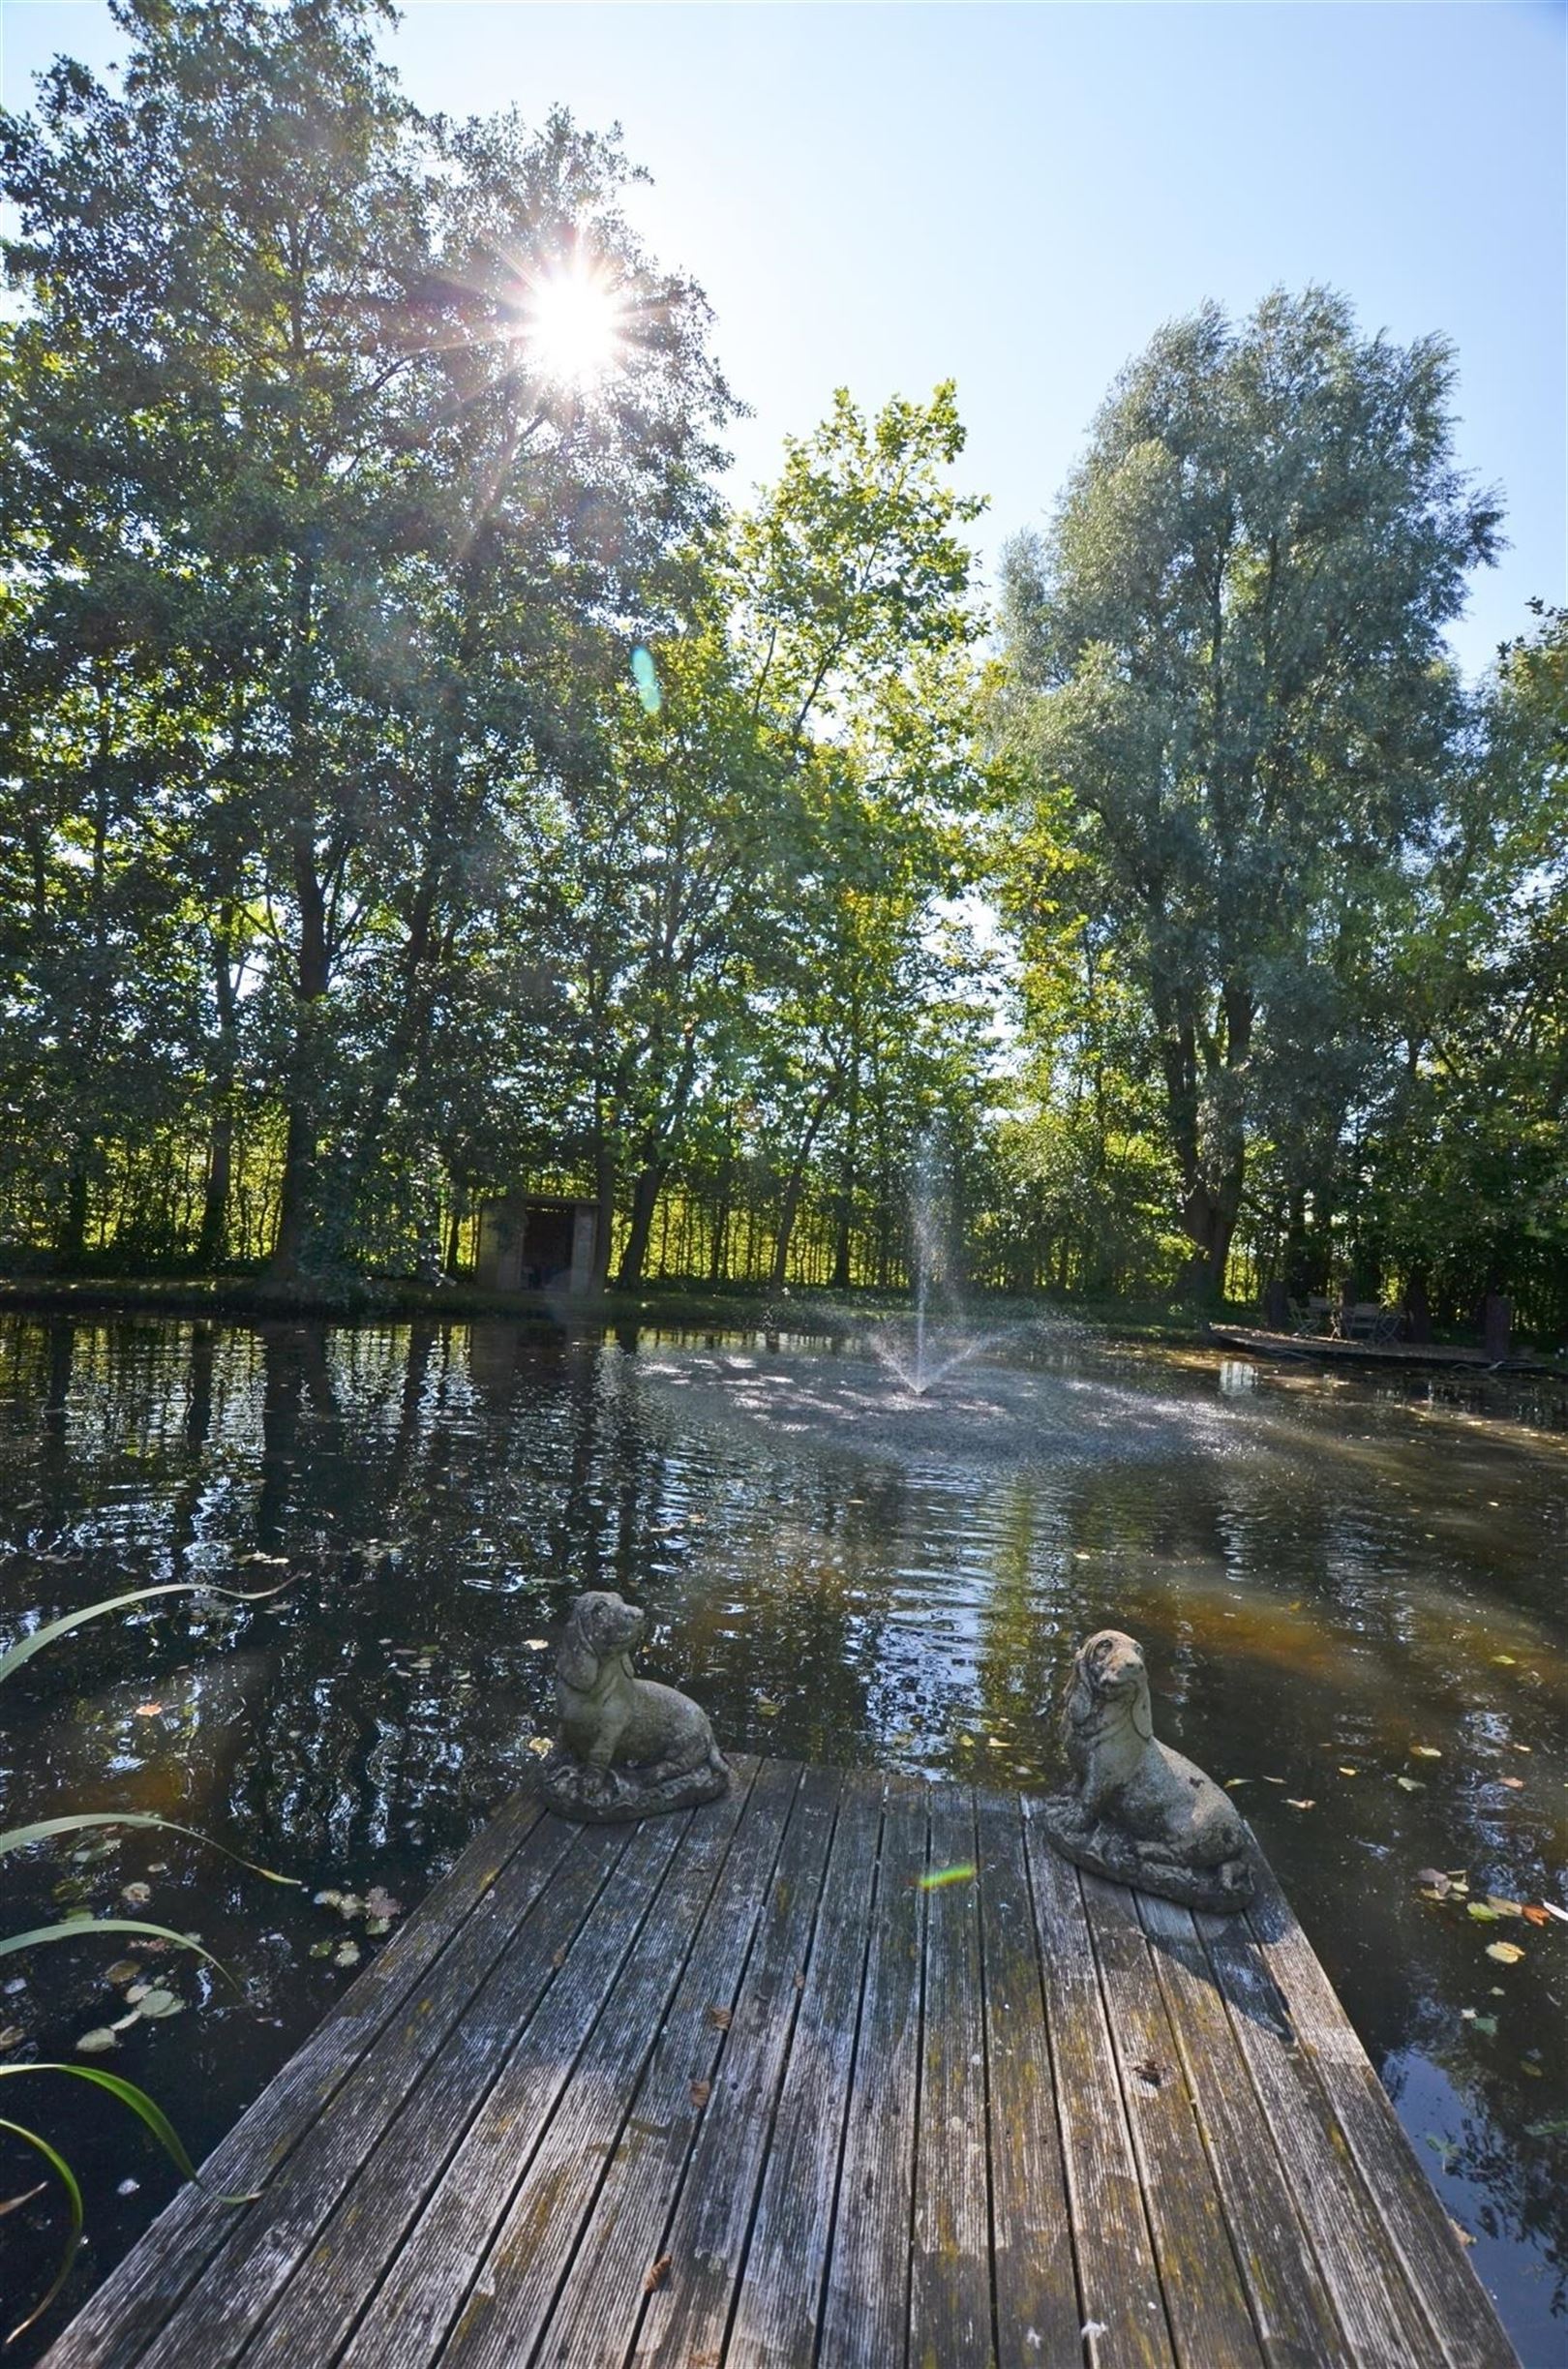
column 1138, row 1812
column 627, row 1747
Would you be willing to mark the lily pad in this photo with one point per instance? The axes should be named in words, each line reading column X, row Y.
column 123, row 1970
column 160, row 2003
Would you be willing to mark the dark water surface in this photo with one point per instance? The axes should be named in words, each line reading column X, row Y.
column 1351, row 1594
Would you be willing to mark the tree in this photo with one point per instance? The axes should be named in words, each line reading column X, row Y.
column 277, row 392
column 1226, row 666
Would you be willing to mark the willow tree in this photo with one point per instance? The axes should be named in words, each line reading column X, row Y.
column 1225, row 681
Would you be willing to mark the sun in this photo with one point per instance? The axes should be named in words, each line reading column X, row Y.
column 574, row 320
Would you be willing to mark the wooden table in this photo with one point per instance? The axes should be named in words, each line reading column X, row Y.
column 752, row 2085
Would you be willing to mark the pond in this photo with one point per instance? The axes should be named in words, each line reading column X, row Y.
column 1350, row 1593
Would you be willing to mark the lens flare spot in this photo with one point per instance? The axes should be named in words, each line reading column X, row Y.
column 645, row 677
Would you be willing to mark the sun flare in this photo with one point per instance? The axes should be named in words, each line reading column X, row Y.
column 575, row 320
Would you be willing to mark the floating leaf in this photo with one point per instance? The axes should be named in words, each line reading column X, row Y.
column 1411, row 1784
column 322, row 1949
column 1292, row 1803
column 136, row 1895
column 327, row 1899
column 347, row 1954
column 1514, row 1784
column 1503, row 1909
column 148, row 1710
column 97, row 2042
column 1506, row 1953
column 767, row 1709
column 1534, row 1916
column 1504, row 1661
column 1555, row 2127
column 1434, row 1876
column 375, row 1927
column 1482, row 1915
column 160, row 2003
column 1426, row 1751
column 379, row 1902
column 1553, row 1910
column 123, row 1970
column 539, row 1744
column 1349, row 1772
column 11, row 2036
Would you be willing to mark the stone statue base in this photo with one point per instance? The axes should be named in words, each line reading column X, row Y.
column 602, row 1796
column 1108, row 1850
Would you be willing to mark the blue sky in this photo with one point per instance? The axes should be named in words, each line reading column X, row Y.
column 1017, row 196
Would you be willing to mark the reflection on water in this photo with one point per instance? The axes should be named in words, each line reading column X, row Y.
column 1351, row 1596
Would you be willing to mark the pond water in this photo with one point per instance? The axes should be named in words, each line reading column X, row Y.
column 1352, row 1594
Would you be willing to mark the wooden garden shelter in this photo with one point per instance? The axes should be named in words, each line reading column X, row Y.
column 536, row 1242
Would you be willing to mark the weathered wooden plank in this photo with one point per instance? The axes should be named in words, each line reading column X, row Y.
column 1204, row 2302
column 1290, row 2303
column 547, row 1891
column 521, row 2225
column 1371, row 2295
column 684, row 2320
column 950, row 2289
column 1468, row 2331
column 600, row 2296
column 1118, row 2284
column 116, row 2322
column 865, row 2315
column 750, row 2049
column 779, row 2303
column 421, row 2213
column 1037, row 2298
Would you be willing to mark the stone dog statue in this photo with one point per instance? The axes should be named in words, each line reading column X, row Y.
column 627, row 1747
column 1138, row 1812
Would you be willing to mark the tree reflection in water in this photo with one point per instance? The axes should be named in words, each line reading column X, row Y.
column 1325, row 1575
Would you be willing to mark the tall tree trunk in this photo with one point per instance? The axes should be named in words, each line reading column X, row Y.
column 297, row 1216
column 70, row 1234
column 645, row 1201
column 795, row 1186
column 1211, row 1203
column 213, row 1239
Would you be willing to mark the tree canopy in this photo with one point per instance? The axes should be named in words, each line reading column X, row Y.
column 416, row 778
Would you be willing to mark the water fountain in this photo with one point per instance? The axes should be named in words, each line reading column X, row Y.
column 928, row 1262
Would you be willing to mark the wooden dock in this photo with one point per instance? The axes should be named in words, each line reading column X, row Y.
column 755, row 2086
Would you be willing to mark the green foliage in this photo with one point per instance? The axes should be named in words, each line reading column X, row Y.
column 1225, row 685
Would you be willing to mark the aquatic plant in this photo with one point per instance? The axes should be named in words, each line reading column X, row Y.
column 46, row 1830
